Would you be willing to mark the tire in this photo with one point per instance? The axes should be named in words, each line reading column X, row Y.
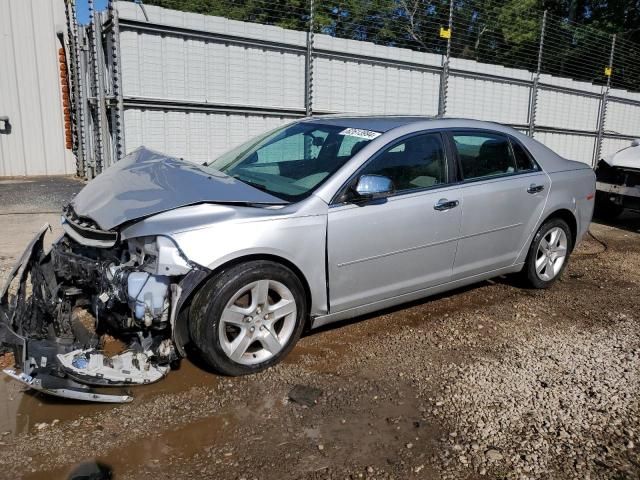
column 248, row 317
column 545, row 263
column 605, row 208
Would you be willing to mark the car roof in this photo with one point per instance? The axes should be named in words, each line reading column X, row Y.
column 384, row 123
column 392, row 126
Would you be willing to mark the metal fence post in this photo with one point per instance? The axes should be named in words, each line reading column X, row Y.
column 98, row 110
column 117, row 108
column 602, row 116
column 533, row 100
column 444, row 74
column 308, row 77
column 77, row 109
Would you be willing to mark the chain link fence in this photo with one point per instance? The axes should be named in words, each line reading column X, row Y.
column 194, row 85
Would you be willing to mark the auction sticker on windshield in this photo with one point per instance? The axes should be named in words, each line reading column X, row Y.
column 358, row 132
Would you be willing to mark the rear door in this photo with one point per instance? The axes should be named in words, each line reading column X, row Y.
column 397, row 245
column 504, row 192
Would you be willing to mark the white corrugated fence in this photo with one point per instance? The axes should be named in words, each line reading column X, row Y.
column 196, row 85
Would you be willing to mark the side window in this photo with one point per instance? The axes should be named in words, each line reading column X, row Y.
column 484, row 155
column 417, row 162
column 523, row 160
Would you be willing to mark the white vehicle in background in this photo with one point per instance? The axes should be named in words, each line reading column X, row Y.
column 618, row 182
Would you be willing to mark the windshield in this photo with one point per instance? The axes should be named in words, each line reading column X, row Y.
column 294, row 160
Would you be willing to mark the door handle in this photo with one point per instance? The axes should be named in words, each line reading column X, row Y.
column 6, row 126
column 533, row 188
column 444, row 204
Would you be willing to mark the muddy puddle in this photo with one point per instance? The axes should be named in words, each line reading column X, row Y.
column 22, row 409
column 178, row 444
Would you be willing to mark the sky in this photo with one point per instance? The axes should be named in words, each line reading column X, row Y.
column 82, row 10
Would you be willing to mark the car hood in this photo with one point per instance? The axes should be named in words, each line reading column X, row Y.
column 626, row 158
column 146, row 182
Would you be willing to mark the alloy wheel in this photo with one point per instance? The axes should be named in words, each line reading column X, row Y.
column 257, row 322
column 551, row 254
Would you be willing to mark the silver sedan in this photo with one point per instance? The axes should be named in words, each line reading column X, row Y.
column 320, row 220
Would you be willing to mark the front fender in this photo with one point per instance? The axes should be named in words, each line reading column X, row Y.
column 182, row 294
column 299, row 241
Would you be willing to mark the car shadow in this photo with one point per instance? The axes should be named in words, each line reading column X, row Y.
column 628, row 220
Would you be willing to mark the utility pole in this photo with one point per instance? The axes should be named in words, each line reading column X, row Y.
column 602, row 117
column 308, row 77
column 444, row 74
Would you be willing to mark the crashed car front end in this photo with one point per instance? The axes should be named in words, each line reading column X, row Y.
column 139, row 242
column 618, row 180
column 113, row 277
column 131, row 289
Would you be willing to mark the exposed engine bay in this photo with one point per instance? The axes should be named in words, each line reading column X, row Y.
column 130, row 291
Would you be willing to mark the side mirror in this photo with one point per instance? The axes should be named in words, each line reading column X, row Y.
column 374, row 186
column 635, row 142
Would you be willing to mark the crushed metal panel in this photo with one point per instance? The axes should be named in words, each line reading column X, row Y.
column 50, row 362
column 10, row 332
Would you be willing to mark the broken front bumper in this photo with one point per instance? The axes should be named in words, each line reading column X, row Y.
column 622, row 195
column 54, row 357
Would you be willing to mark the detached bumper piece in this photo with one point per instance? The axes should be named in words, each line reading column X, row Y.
column 56, row 352
column 65, row 388
column 94, row 368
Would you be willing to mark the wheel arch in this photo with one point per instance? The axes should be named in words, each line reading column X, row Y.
column 571, row 220
column 273, row 258
column 193, row 281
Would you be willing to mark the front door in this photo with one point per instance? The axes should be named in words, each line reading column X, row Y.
column 400, row 244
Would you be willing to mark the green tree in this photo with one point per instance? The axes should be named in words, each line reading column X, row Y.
column 505, row 32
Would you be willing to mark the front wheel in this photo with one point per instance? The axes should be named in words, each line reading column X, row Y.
column 548, row 253
column 248, row 317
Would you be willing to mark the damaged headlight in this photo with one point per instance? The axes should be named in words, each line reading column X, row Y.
column 144, row 281
column 159, row 255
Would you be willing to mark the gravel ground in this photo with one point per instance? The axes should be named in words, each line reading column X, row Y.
column 492, row 381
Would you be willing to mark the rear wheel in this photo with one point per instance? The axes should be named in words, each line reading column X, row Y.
column 248, row 317
column 548, row 253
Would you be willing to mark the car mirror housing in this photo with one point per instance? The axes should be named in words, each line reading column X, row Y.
column 374, row 186
column 635, row 142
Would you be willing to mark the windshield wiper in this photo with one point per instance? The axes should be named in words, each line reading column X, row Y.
column 259, row 186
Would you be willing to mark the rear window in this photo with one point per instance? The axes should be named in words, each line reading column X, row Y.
column 523, row 161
